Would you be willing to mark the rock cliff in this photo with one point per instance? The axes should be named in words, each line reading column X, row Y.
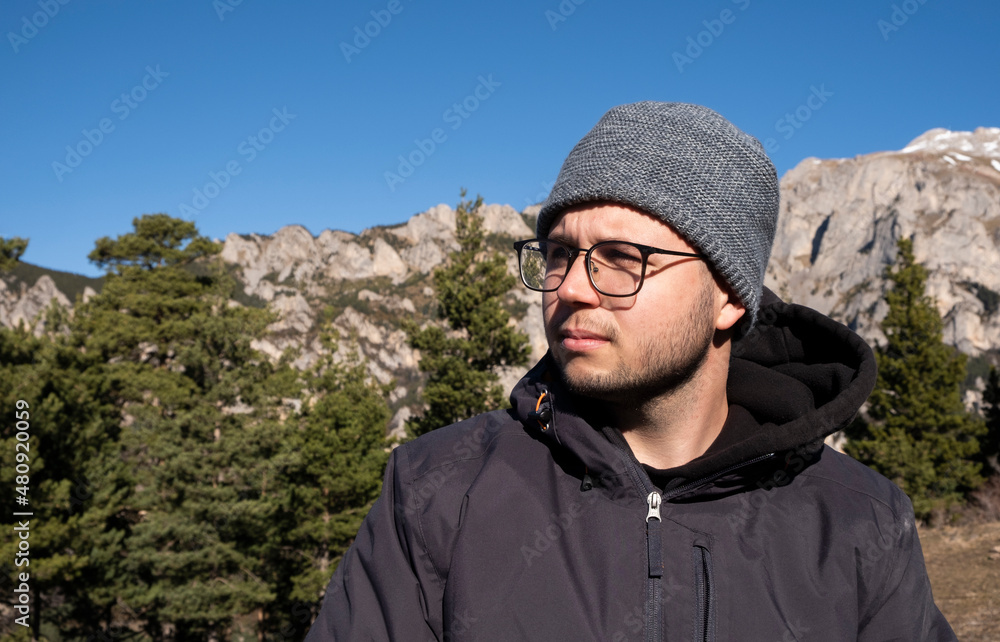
column 20, row 303
column 840, row 221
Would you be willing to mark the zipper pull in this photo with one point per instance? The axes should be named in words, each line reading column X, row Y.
column 654, row 553
column 653, row 499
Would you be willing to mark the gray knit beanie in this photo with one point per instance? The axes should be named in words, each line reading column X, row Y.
column 690, row 167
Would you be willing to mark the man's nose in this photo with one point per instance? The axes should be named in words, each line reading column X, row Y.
column 577, row 287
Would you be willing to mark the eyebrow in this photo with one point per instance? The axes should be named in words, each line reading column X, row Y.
column 565, row 240
column 558, row 239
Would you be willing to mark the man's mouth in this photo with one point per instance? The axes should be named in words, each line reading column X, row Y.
column 580, row 340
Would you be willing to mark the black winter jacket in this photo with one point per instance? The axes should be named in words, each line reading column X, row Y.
column 533, row 524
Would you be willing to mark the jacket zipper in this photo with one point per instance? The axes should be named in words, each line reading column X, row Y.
column 654, row 554
column 705, row 619
column 654, row 549
column 680, row 490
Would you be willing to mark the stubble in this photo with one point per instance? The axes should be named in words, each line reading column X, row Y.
column 663, row 364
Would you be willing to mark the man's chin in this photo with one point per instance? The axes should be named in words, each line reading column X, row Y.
column 581, row 367
column 588, row 381
column 622, row 385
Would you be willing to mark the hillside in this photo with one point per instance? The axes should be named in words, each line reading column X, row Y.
column 27, row 290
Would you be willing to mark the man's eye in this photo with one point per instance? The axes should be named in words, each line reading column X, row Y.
column 557, row 253
column 620, row 256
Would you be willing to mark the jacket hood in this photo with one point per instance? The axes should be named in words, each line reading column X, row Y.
column 794, row 378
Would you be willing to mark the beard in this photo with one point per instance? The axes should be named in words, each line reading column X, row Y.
column 663, row 364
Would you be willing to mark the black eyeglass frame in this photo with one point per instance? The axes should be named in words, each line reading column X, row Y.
column 644, row 250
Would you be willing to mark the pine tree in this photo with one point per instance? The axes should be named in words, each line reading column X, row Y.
column 75, row 482
column 330, row 476
column 11, row 251
column 461, row 361
column 990, row 442
column 200, row 428
column 918, row 433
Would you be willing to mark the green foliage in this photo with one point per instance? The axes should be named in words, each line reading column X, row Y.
column 918, row 433
column 461, row 361
column 333, row 463
column 200, row 420
column 11, row 251
column 185, row 484
column 158, row 241
column 990, row 442
column 75, row 479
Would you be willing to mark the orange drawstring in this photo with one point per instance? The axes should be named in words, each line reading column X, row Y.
column 538, row 405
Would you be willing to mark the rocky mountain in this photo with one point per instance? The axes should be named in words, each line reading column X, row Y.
column 28, row 290
column 364, row 285
column 839, row 223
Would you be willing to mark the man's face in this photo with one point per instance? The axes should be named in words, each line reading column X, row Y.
column 630, row 349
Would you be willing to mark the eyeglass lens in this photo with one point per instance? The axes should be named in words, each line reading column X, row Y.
column 615, row 268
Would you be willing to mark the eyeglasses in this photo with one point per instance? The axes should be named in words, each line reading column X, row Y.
column 615, row 268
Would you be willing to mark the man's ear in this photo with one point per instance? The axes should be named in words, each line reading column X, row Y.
column 730, row 308
column 730, row 314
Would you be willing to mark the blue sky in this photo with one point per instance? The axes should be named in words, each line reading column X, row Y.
column 299, row 112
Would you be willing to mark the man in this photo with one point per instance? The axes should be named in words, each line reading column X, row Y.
column 661, row 474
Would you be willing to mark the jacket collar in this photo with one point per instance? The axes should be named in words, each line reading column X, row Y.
column 794, row 378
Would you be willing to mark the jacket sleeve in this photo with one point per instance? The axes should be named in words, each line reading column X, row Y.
column 379, row 591
column 905, row 609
